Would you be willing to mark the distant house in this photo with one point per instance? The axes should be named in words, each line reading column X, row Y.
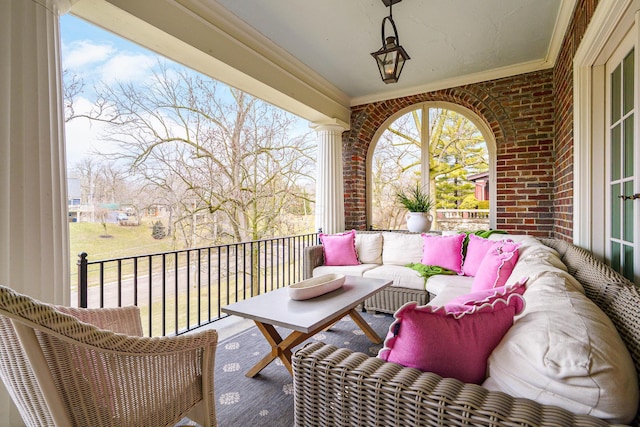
column 482, row 185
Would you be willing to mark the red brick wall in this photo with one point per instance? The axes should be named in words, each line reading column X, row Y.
column 563, row 78
column 531, row 117
column 520, row 113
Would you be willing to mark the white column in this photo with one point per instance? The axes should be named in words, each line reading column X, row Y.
column 329, row 178
column 34, row 248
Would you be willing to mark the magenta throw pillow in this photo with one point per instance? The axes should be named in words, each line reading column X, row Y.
column 477, row 248
column 496, row 266
column 443, row 251
column 340, row 249
column 466, row 302
column 452, row 345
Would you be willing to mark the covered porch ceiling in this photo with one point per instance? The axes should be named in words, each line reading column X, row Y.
column 313, row 58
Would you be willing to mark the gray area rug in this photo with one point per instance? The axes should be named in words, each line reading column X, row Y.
column 267, row 399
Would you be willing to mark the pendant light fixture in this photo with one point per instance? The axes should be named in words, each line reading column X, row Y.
column 391, row 56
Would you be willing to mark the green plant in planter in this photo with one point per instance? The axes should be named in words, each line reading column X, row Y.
column 415, row 199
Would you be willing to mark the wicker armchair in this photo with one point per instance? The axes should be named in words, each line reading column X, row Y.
column 80, row 367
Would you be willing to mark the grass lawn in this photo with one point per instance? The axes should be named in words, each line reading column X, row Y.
column 120, row 241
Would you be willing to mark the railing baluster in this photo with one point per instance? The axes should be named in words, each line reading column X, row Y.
column 242, row 270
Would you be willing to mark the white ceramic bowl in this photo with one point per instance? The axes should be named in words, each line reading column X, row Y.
column 316, row 286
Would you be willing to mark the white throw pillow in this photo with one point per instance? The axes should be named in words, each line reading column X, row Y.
column 369, row 248
column 401, row 248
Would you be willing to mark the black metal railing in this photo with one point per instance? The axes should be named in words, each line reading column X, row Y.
column 182, row 290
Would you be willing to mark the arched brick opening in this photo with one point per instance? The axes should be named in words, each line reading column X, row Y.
column 519, row 112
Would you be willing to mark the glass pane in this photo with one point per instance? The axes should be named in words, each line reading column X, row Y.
column 615, row 211
column 615, row 256
column 615, row 94
column 628, row 146
column 628, row 82
column 628, row 212
column 628, row 262
column 615, row 153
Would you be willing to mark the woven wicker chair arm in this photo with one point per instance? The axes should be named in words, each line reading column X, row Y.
column 101, row 340
column 123, row 320
column 338, row 387
column 313, row 257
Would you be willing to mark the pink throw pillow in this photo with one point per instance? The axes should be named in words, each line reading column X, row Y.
column 496, row 266
column 466, row 302
column 443, row 251
column 454, row 345
column 477, row 248
column 340, row 249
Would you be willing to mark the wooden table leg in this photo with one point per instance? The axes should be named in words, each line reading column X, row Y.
column 362, row 324
column 279, row 347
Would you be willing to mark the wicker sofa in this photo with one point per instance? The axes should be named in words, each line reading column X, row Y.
column 334, row 386
column 408, row 285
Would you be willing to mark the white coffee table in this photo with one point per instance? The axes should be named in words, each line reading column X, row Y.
column 306, row 318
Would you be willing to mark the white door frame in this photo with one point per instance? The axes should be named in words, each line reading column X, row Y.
column 609, row 24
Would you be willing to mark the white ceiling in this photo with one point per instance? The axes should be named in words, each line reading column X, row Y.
column 449, row 41
column 313, row 57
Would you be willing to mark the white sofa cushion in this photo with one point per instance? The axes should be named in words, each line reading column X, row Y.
column 401, row 248
column 348, row 270
column 563, row 350
column 403, row 277
column 369, row 248
column 438, row 283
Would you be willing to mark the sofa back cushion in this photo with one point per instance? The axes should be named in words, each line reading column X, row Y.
column 401, row 248
column 369, row 247
column 563, row 350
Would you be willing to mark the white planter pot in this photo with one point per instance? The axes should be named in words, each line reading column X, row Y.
column 419, row 222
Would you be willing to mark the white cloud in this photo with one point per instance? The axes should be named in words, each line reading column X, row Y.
column 127, row 67
column 84, row 52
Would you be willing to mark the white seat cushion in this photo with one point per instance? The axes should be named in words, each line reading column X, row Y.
column 348, row 270
column 438, row 283
column 403, row 277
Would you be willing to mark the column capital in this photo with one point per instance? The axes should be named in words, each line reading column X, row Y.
column 59, row 7
column 333, row 125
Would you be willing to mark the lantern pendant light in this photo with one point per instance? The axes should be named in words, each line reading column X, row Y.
column 391, row 56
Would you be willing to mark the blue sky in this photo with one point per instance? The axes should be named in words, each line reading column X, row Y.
column 96, row 55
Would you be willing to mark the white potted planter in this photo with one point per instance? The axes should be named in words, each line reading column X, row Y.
column 419, row 222
column 418, row 202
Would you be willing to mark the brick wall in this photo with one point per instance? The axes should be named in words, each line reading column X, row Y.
column 531, row 117
column 520, row 113
column 563, row 78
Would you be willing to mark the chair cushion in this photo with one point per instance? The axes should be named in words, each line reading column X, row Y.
column 452, row 343
column 340, row 249
column 401, row 248
column 443, row 251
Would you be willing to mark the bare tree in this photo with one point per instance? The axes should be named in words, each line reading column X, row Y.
column 227, row 161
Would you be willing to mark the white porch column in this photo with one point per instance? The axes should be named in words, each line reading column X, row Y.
column 329, row 178
column 34, row 248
